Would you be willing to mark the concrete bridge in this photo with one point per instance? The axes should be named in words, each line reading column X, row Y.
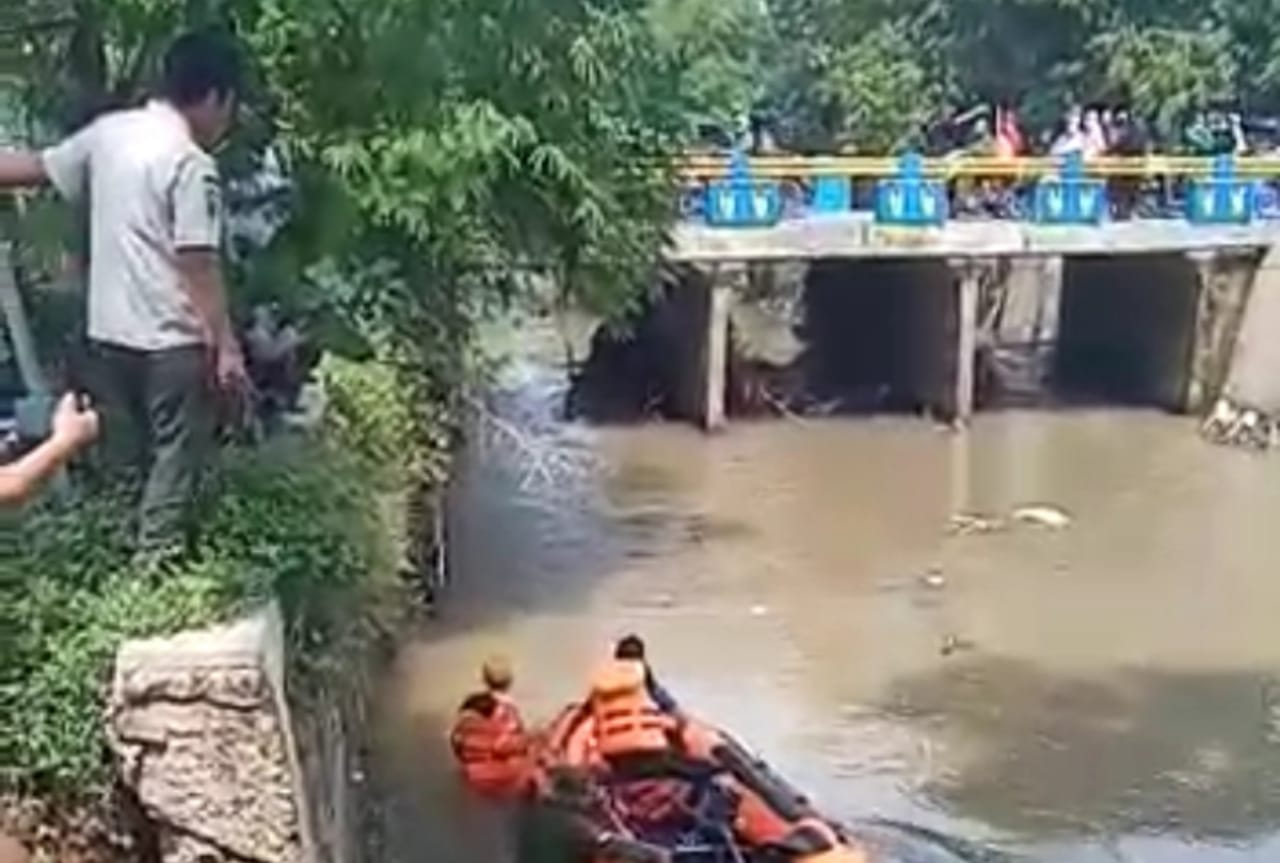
column 1143, row 311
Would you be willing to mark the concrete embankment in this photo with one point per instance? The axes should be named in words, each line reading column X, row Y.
column 1248, row 411
column 223, row 765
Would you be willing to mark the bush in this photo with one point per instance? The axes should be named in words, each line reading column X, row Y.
column 297, row 520
column 376, row 413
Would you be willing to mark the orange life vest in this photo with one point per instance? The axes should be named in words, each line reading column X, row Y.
column 627, row 720
column 492, row 751
column 580, row 747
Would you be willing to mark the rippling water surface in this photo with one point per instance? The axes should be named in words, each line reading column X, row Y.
column 1105, row 692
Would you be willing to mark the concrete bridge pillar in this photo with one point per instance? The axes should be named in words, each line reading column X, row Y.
column 701, row 304
column 969, row 276
column 1253, row 377
column 1225, row 283
column 713, row 358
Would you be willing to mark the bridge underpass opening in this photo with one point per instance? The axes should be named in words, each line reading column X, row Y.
column 881, row 335
column 1127, row 329
column 890, row 334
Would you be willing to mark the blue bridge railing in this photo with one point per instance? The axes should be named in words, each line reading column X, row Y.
column 911, row 191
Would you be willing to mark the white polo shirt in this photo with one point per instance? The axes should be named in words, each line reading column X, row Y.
column 152, row 192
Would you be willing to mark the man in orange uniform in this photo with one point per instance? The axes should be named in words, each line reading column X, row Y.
column 489, row 738
column 641, row 743
column 631, row 728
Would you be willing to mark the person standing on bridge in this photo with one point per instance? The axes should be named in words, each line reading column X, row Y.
column 158, row 325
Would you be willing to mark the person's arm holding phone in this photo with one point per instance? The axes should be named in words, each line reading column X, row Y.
column 74, row 428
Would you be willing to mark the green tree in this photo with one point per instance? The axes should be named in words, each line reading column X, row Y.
column 439, row 150
column 869, row 70
column 1167, row 73
column 723, row 49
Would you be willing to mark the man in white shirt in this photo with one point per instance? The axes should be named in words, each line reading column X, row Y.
column 160, row 336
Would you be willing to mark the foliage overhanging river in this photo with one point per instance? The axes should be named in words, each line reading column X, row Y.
column 1105, row 692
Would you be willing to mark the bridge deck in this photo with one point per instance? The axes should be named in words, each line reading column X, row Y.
column 857, row 236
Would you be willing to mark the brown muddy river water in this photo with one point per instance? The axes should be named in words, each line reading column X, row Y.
column 1108, row 691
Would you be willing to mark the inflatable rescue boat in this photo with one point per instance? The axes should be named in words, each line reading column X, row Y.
column 714, row 802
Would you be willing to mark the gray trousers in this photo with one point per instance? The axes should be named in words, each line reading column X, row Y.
column 158, row 415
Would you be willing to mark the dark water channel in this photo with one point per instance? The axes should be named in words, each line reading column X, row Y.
column 1108, row 691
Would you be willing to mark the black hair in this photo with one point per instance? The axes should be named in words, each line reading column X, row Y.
column 630, row 647
column 482, row 702
column 200, row 63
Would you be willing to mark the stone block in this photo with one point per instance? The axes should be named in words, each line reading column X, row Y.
column 201, row 729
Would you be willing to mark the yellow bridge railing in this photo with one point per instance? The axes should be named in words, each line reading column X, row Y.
column 797, row 167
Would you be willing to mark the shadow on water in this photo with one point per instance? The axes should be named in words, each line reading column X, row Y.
column 1141, row 751
column 537, row 526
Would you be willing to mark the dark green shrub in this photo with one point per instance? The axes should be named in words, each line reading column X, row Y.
column 296, row 520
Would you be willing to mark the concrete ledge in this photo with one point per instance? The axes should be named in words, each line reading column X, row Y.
column 201, row 729
column 857, row 236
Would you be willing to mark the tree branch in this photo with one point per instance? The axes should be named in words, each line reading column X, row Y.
column 543, row 459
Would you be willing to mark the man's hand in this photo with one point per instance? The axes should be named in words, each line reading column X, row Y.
column 74, row 426
column 229, row 370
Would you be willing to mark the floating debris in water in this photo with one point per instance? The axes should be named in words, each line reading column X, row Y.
column 965, row 523
column 1045, row 516
column 1232, row 424
column 934, row 579
column 952, row 644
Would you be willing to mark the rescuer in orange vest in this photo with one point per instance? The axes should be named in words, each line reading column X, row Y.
column 628, row 721
column 489, row 739
column 636, row 737
column 641, row 745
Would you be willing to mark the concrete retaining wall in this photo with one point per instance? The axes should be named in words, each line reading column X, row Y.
column 1254, row 377
column 223, row 769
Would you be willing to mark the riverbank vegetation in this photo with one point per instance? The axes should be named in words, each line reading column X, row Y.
column 871, row 75
column 435, row 156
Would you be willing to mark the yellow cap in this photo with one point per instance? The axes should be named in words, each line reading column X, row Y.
column 496, row 673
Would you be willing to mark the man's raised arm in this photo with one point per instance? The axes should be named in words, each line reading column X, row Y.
column 21, row 169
